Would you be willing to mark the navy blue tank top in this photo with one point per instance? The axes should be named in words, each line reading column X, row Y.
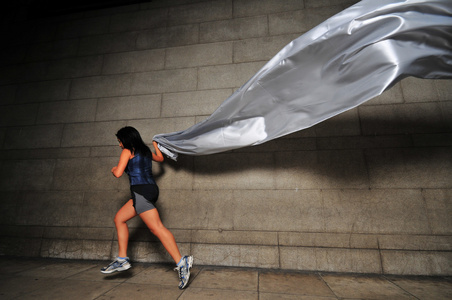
column 139, row 169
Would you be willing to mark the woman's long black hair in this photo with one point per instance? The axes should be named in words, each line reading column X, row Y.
column 131, row 139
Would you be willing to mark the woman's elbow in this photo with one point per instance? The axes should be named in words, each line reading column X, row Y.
column 117, row 174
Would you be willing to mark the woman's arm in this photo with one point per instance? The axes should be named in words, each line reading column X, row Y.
column 158, row 157
column 122, row 164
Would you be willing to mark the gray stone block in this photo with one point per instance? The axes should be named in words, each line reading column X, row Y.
column 234, row 29
column 86, row 174
column 344, row 124
column 168, row 173
column 104, row 151
column 152, row 252
column 108, row 43
column 277, row 210
column 18, row 115
column 200, row 12
column 47, row 153
column 182, row 235
column 91, row 250
column 131, row 62
column 429, row 263
column 415, row 242
column 392, row 96
column 396, row 211
column 74, row 67
column 419, row 90
column 410, row 168
column 232, row 171
column 79, row 233
column 101, row 86
column 67, row 111
column 66, row 213
column 207, row 209
column 234, row 237
column 164, row 81
column 40, row 136
column 236, row 255
column 199, row 55
column 299, row 21
column 244, row 8
column 226, row 76
column 168, row 37
column 364, row 142
column 439, row 209
column 263, row 48
column 193, row 103
column 322, row 169
column 100, row 207
column 326, row 3
column 444, row 89
column 132, row 107
column 150, row 127
column 43, row 91
column 328, row 240
column 91, row 134
column 138, row 20
column 58, row 249
column 283, row 144
column 327, row 259
column 401, row 119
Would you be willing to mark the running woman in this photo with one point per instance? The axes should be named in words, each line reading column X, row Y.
column 136, row 160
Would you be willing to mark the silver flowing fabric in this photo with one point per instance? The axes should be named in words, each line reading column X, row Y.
column 343, row 62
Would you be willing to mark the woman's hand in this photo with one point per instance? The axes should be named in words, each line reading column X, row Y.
column 158, row 157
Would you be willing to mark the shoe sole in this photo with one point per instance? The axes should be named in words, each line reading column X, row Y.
column 117, row 269
column 190, row 264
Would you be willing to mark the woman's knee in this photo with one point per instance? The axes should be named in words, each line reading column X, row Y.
column 156, row 227
column 118, row 220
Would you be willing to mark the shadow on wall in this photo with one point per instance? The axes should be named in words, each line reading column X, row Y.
column 391, row 142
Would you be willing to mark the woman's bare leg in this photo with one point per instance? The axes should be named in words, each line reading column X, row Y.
column 126, row 213
column 152, row 220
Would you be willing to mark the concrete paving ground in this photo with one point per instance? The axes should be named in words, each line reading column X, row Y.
column 68, row 279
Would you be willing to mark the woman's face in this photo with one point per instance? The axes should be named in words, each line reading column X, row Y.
column 120, row 144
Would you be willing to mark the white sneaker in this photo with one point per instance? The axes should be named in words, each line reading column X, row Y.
column 117, row 265
column 184, row 271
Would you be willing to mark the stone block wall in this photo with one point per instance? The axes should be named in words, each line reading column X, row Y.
column 368, row 191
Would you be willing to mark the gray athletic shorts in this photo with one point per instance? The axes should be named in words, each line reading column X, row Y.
column 144, row 197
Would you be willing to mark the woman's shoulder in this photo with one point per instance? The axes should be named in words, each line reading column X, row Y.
column 127, row 153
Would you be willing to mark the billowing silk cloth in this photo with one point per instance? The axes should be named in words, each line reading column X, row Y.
column 341, row 63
